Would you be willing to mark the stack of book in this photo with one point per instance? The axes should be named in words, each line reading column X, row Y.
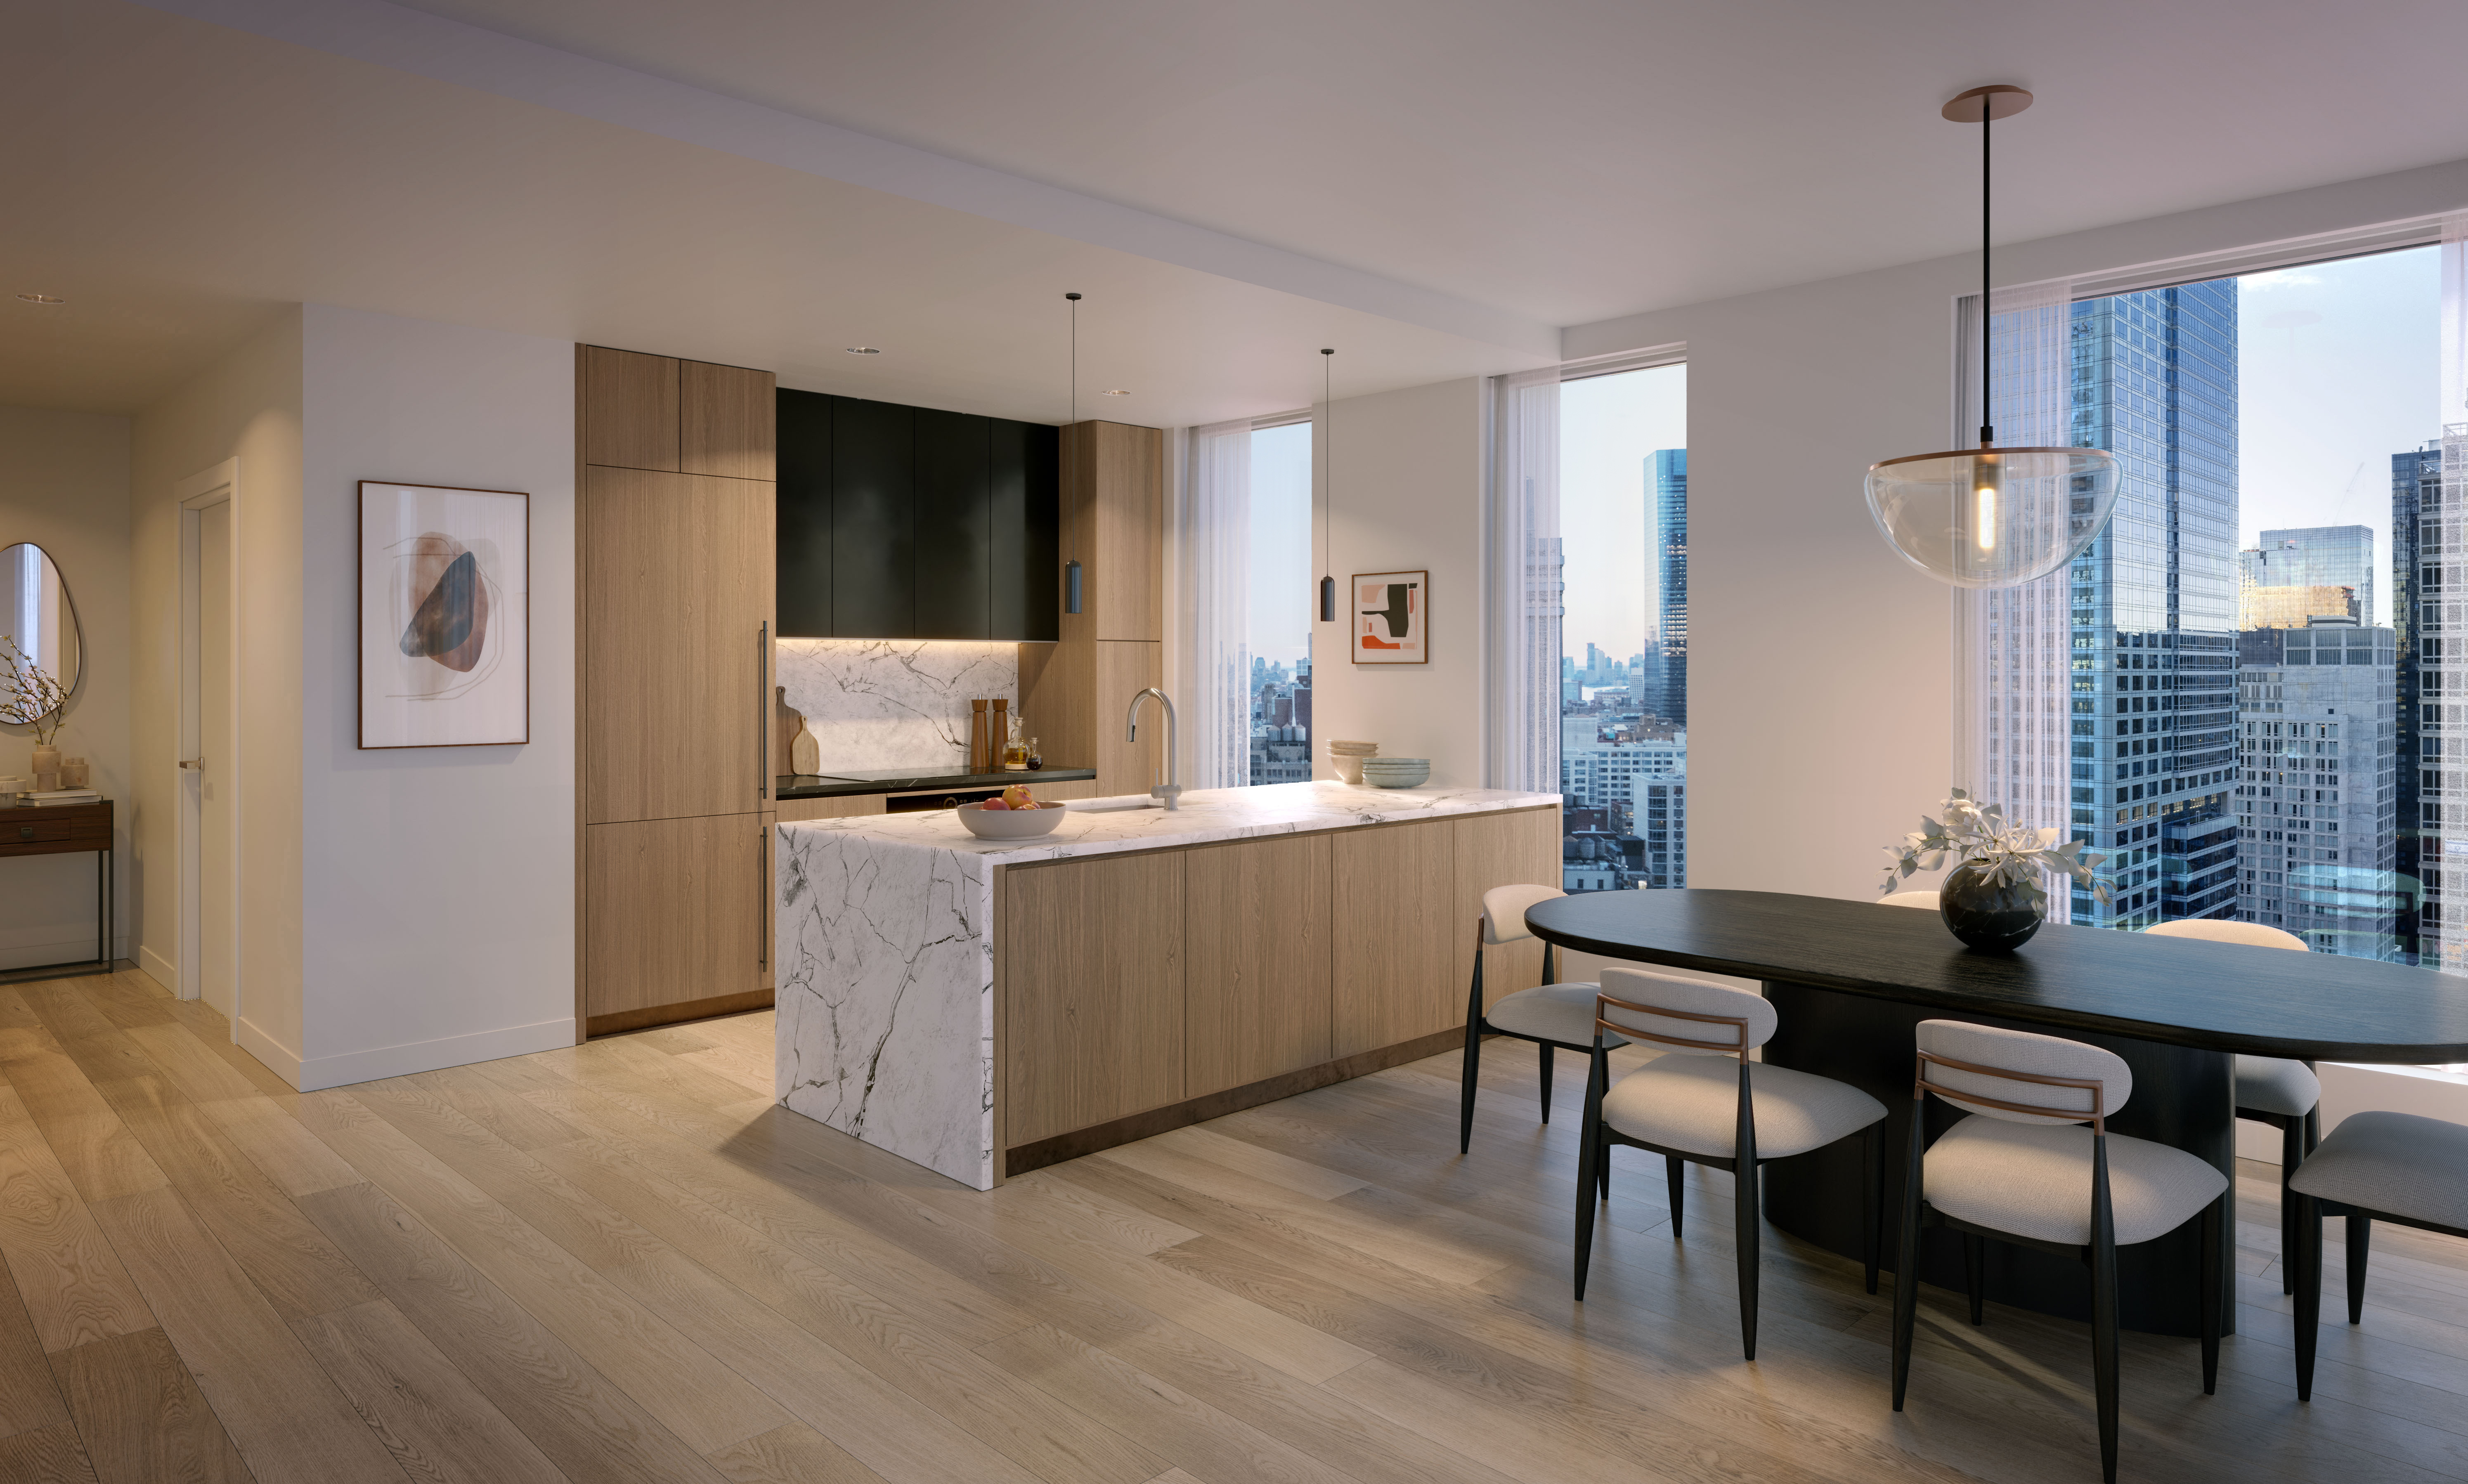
column 53, row 798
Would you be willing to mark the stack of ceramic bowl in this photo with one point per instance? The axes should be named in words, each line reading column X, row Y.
column 1396, row 772
column 1348, row 757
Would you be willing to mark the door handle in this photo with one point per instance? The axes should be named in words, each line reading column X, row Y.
column 763, row 710
column 197, row 764
column 763, row 919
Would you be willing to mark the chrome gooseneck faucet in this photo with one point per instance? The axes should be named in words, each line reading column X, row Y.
column 1169, row 791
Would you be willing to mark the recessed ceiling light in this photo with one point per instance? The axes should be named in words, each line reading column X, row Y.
column 1116, row 392
column 42, row 299
column 861, row 350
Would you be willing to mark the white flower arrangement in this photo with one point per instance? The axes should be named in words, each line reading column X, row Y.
column 28, row 695
column 2007, row 853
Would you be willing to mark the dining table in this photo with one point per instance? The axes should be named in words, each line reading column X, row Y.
column 1850, row 982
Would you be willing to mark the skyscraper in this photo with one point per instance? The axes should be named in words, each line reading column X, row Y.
column 2416, row 487
column 2155, row 603
column 1668, row 550
column 2316, row 557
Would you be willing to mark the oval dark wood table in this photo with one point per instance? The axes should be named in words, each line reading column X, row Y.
column 1851, row 980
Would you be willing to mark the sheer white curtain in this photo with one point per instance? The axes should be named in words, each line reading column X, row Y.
column 2013, row 645
column 1214, row 584
column 1523, row 585
column 2442, row 806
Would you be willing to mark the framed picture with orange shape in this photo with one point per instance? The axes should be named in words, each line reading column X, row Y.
column 1392, row 618
column 444, row 630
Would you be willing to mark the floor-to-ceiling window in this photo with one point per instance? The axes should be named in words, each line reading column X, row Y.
column 1624, row 666
column 2257, row 636
column 1283, row 591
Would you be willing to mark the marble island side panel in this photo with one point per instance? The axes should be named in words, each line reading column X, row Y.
column 885, row 946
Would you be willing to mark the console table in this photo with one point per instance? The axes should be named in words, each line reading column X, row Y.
column 61, row 830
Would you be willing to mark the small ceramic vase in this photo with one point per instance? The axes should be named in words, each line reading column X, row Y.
column 47, row 767
column 1991, row 918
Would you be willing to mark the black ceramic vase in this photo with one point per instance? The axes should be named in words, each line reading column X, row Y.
column 1988, row 917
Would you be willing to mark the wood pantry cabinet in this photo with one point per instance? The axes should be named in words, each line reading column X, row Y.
column 676, row 596
column 1140, row 992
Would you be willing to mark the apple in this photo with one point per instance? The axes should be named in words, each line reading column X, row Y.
column 994, row 804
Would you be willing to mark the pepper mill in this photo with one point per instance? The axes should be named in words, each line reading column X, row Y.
column 978, row 741
column 998, row 738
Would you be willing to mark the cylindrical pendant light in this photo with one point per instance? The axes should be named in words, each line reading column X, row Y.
column 1071, row 568
column 1328, row 511
column 1991, row 516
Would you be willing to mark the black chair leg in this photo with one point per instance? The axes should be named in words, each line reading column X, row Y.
column 2214, row 1218
column 1975, row 1253
column 1745, row 1238
column 1473, row 1051
column 1872, row 1196
column 2309, row 1291
column 1590, row 1154
column 2292, row 1154
column 2103, row 1352
column 2360, row 1232
column 1675, row 1172
column 1907, row 1259
column 1550, row 1053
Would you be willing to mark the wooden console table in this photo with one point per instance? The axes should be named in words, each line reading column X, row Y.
column 68, row 829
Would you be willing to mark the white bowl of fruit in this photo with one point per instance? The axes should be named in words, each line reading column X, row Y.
column 1013, row 816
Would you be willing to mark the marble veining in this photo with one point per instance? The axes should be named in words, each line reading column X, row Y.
column 885, row 946
column 877, row 703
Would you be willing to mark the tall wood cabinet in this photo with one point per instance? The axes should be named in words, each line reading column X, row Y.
column 675, row 576
column 1074, row 692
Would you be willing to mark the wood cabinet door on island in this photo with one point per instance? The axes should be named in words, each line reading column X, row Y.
column 1092, row 992
column 1395, row 888
column 1256, row 983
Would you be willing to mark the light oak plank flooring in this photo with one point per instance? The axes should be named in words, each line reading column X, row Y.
column 620, row 1262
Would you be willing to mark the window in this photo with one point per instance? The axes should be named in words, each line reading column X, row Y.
column 2260, row 584
column 1624, row 667
column 1283, row 592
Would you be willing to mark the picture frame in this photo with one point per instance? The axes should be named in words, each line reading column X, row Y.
column 1391, row 618
column 444, row 616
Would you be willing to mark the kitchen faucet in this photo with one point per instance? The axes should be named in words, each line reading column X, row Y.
column 1168, row 791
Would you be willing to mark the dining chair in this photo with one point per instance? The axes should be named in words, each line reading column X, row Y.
column 2022, row 1169
column 2374, row 1167
column 1551, row 1016
column 2272, row 1091
column 1690, row 1107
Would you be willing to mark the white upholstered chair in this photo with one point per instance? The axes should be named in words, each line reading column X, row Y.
column 1699, row 1105
column 2374, row 1167
column 1551, row 1016
column 2270, row 1089
column 2023, row 1169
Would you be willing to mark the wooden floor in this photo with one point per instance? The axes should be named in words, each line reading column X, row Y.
column 620, row 1262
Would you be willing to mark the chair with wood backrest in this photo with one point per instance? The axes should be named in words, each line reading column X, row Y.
column 2023, row 1169
column 1691, row 1107
column 2272, row 1091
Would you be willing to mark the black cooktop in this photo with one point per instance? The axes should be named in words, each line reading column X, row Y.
column 901, row 780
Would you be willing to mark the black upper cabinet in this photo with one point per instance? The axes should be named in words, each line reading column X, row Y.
column 804, row 514
column 954, row 526
column 908, row 523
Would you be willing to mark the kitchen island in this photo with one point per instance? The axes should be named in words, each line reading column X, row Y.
column 986, row 1007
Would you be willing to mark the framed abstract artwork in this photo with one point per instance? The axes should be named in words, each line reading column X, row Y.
column 1392, row 618
column 444, row 616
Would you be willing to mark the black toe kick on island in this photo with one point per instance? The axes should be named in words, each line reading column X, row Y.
column 2181, row 1097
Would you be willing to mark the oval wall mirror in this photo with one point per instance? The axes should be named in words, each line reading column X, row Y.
column 39, row 619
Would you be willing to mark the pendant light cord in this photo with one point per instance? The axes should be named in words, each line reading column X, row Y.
column 1328, row 506
column 1987, row 420
column 1075, row 410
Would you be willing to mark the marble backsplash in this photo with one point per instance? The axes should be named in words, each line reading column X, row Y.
column 880, row 703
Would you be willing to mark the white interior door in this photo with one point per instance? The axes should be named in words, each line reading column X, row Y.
column 211, row 780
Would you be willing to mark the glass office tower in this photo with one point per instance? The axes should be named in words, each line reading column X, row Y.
column 2416, row 608
column 1670, row 554
column 2316, row 557
column 2155, row 604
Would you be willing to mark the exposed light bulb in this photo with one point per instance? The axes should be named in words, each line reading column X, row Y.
column 1984, row 518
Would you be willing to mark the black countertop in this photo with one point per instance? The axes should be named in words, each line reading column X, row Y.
column 812, row 785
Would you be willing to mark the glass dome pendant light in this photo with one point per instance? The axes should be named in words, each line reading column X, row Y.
column 1328, row 506
column 1991, row 516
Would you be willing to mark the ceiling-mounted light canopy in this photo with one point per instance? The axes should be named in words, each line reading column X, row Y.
column 1991, row 516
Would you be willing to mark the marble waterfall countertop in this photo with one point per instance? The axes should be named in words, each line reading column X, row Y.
column 884, row 947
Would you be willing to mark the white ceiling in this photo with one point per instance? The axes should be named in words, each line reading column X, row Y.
column 1430, row 185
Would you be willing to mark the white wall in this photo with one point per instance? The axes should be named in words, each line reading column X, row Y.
column 1409, row 497
column 64, row 486
column 246, row 407
column 438, row 906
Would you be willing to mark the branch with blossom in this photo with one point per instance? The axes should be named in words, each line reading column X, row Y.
column 2006, row 851
column 28, row 695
